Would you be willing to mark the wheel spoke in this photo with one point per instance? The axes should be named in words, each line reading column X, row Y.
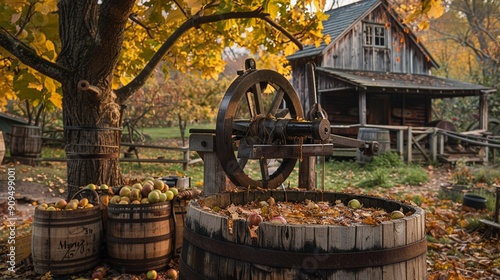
column 251, row 104
column 264, row 169
column 257, row 95
column 278, row 99
column 242, row 162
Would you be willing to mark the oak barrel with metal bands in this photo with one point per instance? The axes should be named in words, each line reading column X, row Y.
column 66, row 242
column 26, row 141
column 140, row 237
column 394, row 249
column 382, row 136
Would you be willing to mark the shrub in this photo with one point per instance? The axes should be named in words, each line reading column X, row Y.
column 413, row 175
column 386, row 160
column 379, row 178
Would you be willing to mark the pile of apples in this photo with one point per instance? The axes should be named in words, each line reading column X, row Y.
column 62, row 204
column 149, row 191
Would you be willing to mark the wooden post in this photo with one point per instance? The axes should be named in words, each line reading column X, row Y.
column 433, row 144
column 400, row 144
column 185, row 158
column 362, row 108
column 408, row 145
column 307, row 173
column 483, row 111
column 214, row 177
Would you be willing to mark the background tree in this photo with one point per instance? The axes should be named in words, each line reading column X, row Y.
column 466, row 43
column 103, row 51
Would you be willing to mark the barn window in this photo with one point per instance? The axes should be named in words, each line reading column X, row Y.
column 375, row 35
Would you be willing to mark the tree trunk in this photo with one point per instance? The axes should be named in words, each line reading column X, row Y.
column 92, row 133
column 91, row 112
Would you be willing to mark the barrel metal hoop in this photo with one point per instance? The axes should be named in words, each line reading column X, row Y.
column 138, row 221
column 136, row 240
column 66, row 263
column 314, row 260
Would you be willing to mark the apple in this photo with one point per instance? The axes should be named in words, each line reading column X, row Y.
column 146, row 189
column 171, row 274
column 158, row 184
column 135, row 194
column 354, row 204
column 170, row 195
column 397, row 215
column 174, row 190
column 84, row 201
column 152, row 274
column 72, row 205
column 115, row 199
column 163, row 197
column 124, row 191
column 254, row 219
column 60, row 204
column 154, row 197
column 137, row 186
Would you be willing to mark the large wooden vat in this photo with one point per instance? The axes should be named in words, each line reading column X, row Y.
column 140, row 236
column 394, row 249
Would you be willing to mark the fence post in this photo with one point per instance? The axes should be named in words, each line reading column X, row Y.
column 400, row 144
column 408, row 146
column 185, row 158
column 433, row 144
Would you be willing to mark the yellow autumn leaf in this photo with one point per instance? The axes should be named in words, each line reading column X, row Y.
column 36, row 86
column 436, row 10
column 39, row 38
column 56, row 99
column 49, row 85
column 47, row 7
column 423, row 25
column 15, row 4
column 124, row 80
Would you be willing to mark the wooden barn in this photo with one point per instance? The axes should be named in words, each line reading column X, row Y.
column 376, row 73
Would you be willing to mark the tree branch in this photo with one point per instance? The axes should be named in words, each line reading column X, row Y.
column 29, row 57
column 126, row 91
column 133, row 17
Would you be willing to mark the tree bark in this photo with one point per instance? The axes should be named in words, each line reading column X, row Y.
column 91, row 113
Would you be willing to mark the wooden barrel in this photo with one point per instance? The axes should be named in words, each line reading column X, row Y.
column 2, row 147
column 180, row 210
column 66, row 242
column 140, row 236
column 26, row 141
column 383, row 138
column 215, row 247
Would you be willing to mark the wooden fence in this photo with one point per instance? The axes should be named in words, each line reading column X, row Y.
column 431, row 143
column 185, row 159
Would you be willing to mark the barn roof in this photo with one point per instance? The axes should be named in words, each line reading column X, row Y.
column 339, row 20
column 390, row 82
column 342, row 19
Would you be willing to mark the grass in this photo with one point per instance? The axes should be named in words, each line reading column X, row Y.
column 384, row 171
column 158, row 133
